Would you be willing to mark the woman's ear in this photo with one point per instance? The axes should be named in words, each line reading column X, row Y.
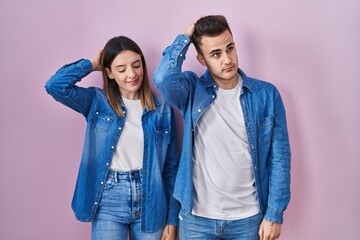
column 201, row 59
column 108, row 72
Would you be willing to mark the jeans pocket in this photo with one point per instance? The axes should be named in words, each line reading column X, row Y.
column 110, row 182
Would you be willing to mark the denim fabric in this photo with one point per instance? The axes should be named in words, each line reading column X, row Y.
column 103, row 131
column 193, row 227
column 265, row 122
column 118, row 215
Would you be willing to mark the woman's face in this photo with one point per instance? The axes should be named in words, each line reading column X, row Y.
column 127, row 71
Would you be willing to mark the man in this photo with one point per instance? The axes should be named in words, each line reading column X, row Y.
column 233, row 181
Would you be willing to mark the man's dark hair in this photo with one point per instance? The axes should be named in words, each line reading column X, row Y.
column 210, row 26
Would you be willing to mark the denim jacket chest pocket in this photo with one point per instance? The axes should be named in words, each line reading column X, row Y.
column 162, row 128
column 162, row 134
column 101, row 120
column 265, row 129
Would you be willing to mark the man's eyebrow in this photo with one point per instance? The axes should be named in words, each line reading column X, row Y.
column 230, row 44
column 219, row 50
column 214, row 51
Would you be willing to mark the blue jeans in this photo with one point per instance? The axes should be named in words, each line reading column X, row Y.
column 118, row 215
column 194, row 227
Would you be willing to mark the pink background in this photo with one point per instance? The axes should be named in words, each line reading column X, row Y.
column 309, row 49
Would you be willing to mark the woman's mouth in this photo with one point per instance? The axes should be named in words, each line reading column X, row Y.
column 133, row 82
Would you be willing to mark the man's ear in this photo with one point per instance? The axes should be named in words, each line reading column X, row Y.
column 201, row 59
column 108, row 72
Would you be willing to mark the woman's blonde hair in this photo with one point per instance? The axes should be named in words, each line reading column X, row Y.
column 112, row 48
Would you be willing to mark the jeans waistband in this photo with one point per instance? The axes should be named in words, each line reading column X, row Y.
column 129, row 175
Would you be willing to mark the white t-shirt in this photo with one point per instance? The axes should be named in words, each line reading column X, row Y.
column 224, row 185
column 129, row 150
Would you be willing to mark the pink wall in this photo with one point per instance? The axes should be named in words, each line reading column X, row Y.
column 309, row 49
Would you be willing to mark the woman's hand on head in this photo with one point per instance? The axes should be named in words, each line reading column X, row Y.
column 96, row 61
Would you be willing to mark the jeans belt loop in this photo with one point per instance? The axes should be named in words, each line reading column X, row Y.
column 116, row 176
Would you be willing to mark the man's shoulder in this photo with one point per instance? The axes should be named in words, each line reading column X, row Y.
column 255, row 84
column 261, row 83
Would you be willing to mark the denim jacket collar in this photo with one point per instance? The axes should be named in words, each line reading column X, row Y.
column 156, row 102
column 246, row 83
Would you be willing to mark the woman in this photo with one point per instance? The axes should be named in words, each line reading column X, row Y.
column 129, row 161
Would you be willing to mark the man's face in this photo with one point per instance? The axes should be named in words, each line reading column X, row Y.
column 220, row 57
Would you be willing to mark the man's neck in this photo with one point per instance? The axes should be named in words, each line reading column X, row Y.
column 227, row 84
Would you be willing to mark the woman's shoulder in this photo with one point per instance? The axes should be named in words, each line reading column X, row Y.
column 100, row 95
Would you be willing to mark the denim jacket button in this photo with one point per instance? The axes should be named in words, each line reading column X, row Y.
column 199, row 110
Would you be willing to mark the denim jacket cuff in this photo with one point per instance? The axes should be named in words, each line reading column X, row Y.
column 86, row 66
column 178, row 50
column 182, row 39
column 173, row 218
column 273, row 215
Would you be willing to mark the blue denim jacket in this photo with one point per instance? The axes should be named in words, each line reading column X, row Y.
column 103, row 131
column 265, row 123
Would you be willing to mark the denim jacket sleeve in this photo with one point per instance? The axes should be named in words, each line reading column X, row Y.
column 61, row 86
column 279, row 165
column 169, row 174
column 168, row 78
